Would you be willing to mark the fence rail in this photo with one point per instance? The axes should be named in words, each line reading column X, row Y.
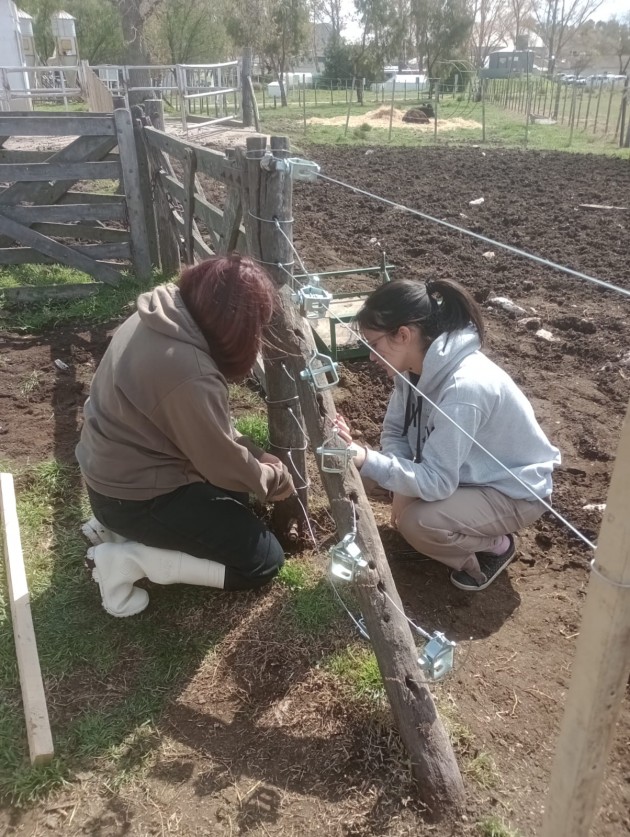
column 43, row 220
column 193, row 90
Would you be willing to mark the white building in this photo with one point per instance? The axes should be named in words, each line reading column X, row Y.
column 15, row 82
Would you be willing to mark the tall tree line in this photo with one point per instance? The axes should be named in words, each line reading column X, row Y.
column 283, row 32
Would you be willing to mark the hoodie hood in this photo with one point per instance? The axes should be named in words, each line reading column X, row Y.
column 445, row 354
column 163, row 310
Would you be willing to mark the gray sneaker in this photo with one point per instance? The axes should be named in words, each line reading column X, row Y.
column 491, row 566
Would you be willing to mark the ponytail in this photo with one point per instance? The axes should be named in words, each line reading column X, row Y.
column 438, row 306
column 455, row 309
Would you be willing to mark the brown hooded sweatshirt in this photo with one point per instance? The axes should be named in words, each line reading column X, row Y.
column 158, row 418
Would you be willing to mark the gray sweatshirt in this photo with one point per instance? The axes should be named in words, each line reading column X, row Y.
column 425, row 455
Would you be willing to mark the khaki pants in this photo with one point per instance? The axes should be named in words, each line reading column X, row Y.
column 468, row 521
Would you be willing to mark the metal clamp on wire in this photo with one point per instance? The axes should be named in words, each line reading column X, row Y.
column 298, row 168
column 303, row 169
column 318, row 367
column 438, row 656
column 312, row 300
column 335, row 454
column 346, row 558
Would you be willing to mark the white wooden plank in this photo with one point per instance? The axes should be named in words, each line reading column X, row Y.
column 40, row 742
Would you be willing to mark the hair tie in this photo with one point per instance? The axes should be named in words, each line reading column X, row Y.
column 431, row 288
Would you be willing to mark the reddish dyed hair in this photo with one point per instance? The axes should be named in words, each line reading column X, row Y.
column 231, row 298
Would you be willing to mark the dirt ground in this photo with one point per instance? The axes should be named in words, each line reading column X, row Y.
column 259, row 752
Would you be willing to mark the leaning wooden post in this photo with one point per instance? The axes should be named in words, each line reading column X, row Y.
column 40, row 743
column 600, row 668
column 433, row 761
column 267, row 194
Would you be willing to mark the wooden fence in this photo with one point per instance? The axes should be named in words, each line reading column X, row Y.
column 190, row 225
column 46, row 212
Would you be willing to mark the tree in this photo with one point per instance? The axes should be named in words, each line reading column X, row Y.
column 283, row 37
column 441, row 29
column 276, row 29
column 99, row 32
column 520, row 17
column 490, row 28
column 189, row 31
column 134, row 17
column 557, row 20
column 330, row 11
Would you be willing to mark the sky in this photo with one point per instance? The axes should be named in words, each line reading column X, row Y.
column 608, row 9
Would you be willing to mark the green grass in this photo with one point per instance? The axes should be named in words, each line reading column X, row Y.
column 57, row 106
column 358, row 669
column 495, row 827
column 311, row 608
column 294, row 575
column 255, row 427
column 483, row 771
column 504, row 128
column 40, row 275
column 107, row 680
column 106, row 304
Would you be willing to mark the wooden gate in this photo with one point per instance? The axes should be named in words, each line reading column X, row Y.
column 187, row 221
column 46, row 217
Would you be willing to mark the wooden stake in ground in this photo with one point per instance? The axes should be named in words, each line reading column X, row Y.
column 600, row 669
column 35, row 711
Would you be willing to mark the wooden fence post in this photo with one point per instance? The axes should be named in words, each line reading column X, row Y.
column 146, row 193
column 167, row 239
column 135, row 207
column 268, row 194
column 600, row 668
column 190, row 171
column 246, row 89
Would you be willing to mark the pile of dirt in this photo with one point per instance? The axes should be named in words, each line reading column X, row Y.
column 379, row 118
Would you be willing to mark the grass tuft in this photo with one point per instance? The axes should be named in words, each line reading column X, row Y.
column 495, row 827
column 483, row 770
column 294, row 576
column 358, row 669
column 312, row 607
column 255, row 427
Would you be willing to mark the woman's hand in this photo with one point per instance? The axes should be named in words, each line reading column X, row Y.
column 285, row 487
column 399, row 504
column 343, row 431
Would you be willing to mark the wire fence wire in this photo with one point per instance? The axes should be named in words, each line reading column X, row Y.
column 415, row 388
column 596, row 108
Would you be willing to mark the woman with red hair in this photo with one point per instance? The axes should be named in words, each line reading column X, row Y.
column 167, row 476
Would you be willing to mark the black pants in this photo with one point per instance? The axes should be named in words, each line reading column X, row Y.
column 203, row 521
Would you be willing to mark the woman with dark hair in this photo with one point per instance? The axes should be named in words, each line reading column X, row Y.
column 168, row 478
column 451, row 500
